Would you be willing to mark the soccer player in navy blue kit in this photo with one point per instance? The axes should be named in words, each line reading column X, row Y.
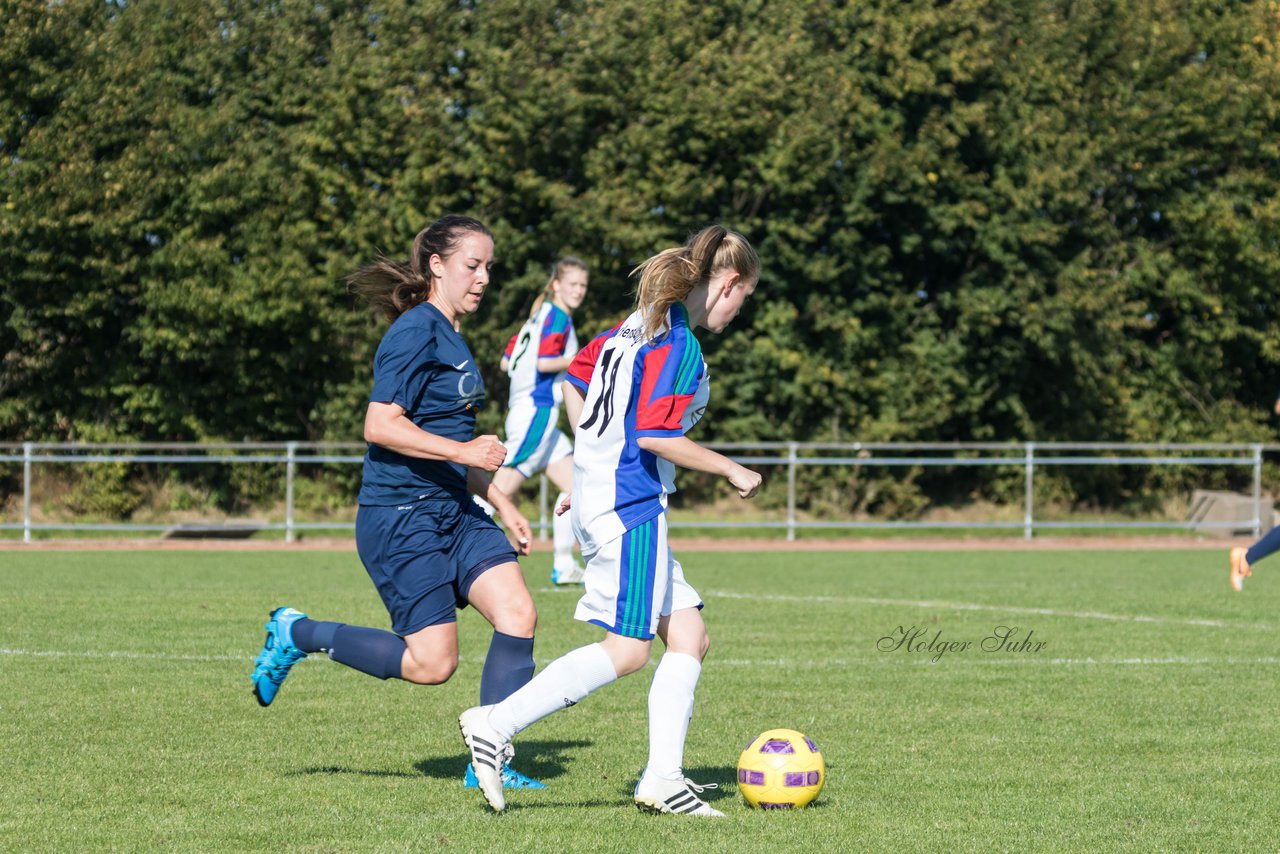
column 428, row 548
column 1241, row 559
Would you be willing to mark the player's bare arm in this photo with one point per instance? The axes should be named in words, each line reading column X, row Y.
column 573, row 400
column 688, row 454
column 553, row 364
column 386, row 425
column 480, row 483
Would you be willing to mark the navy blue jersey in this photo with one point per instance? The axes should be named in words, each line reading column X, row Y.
column 424, row 366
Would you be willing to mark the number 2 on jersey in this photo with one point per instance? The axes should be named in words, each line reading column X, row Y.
column 525, row 336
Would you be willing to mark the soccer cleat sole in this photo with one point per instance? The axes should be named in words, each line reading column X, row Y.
column 266, row 644
column 655, row 808
column 684, row 803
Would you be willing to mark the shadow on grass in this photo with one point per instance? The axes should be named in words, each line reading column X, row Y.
column 724, row 777
column 620, row 789
column 546, row 761
column 541, row 760
column 337, row 769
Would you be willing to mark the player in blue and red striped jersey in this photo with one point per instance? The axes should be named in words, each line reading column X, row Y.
column 536, row 358
column 632, row 394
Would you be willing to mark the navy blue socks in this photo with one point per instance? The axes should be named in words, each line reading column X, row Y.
column 508, row 666
column 1263, row 547
column 373, row 651
column 313, row 635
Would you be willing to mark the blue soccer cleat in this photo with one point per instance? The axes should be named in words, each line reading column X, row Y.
column 277, row 656
column 511, row 779
column 571, row 574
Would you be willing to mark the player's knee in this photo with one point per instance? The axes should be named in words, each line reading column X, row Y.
column 518, row 619
column 695, row 647
column 428, row 672
column 629, row 660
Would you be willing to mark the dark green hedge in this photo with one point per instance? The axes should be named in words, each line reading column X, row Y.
column 978, row 220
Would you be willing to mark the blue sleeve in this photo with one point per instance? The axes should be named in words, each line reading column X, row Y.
column 402, row 364
column 555, row 328
column 671, row 373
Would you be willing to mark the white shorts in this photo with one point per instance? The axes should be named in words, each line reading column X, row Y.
column 533, row 439
column 634, row 581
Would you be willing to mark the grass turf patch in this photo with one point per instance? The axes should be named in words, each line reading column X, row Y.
column 1144, row 719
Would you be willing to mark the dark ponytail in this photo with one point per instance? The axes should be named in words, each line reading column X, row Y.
column 394, row 287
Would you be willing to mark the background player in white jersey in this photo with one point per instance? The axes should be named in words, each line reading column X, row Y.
column 632, row 393
column 536, row 358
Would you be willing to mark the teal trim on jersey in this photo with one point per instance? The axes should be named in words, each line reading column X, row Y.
column 628, row 616
column 638, row 577
column 691, row 355
column 533, row 437
column 690, row 362
column 557, row 320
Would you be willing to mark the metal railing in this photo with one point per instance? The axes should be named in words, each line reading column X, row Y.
column 1029, row 456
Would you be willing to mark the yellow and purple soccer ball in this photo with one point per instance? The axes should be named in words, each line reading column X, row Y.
column 781, row 769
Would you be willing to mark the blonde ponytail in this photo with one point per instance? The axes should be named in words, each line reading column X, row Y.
column 672, row 274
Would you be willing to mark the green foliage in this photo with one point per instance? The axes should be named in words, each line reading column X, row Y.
column 325, row 491
column 174, row 494
column 103, row 492
column 982, row 220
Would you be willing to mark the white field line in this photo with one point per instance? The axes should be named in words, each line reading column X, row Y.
column 1072, row 662
column 155, row 656
column 890, row 660
column 857, row 600
column 885, row 660
column 972, row 606
column 147, row 656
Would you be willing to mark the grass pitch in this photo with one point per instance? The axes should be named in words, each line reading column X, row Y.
column 1129, row 703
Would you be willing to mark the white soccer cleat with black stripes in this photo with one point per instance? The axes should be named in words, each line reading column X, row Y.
column 488, row 753
column 679, row 797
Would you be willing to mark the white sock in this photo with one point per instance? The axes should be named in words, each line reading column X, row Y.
column 559, row 685
column 670, row 708
column 562, row 537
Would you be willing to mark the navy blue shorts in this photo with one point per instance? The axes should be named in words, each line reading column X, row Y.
column 423, row 557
